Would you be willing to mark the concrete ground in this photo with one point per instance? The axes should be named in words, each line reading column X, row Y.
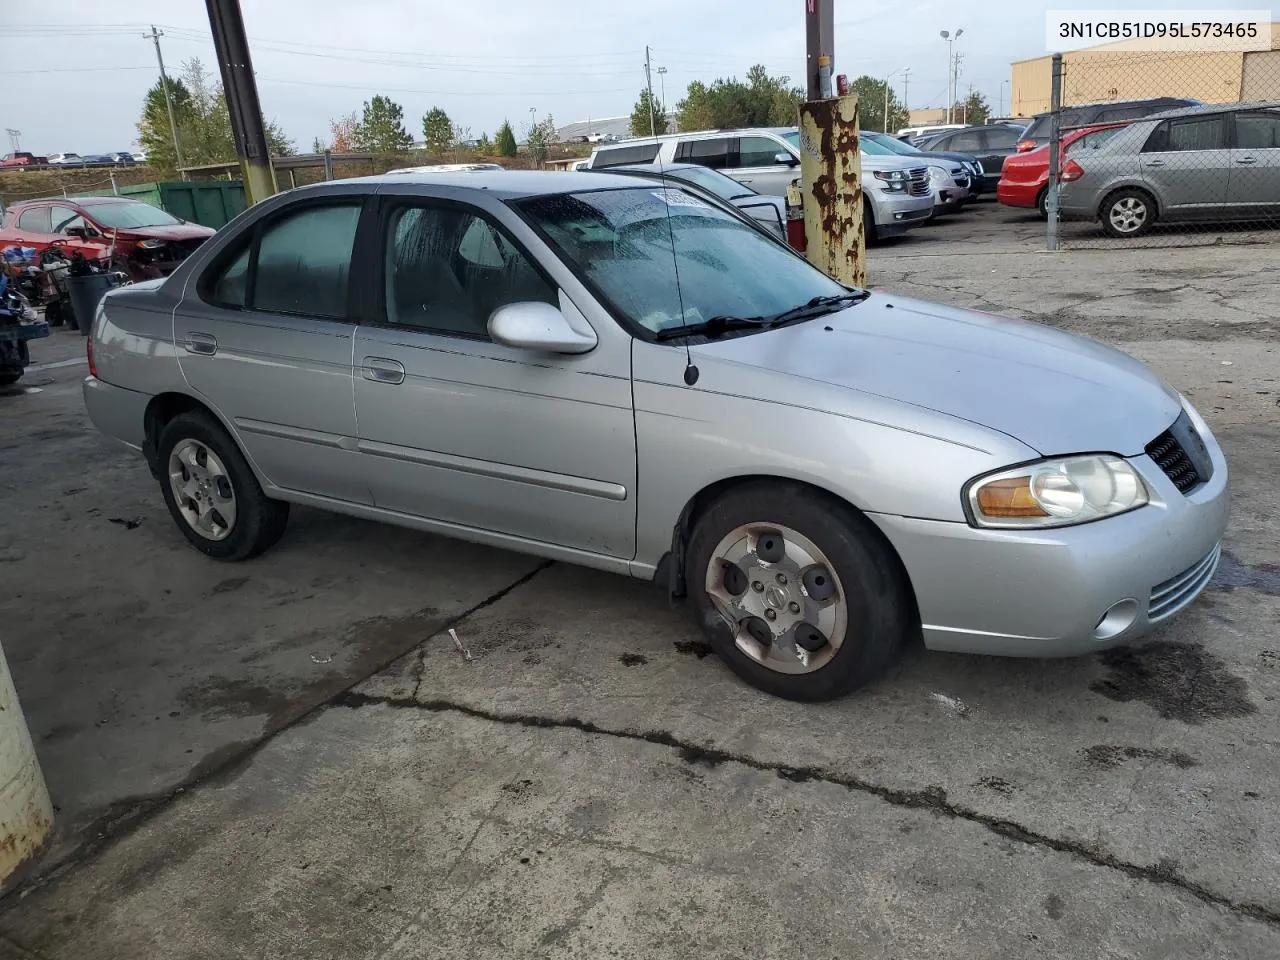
column 291, row 757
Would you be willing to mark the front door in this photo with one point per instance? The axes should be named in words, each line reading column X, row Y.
column 63, row 219
column 755, row 163
column 265, row 336
column 1254, row 182
column 459, row 429
column 1187, row 164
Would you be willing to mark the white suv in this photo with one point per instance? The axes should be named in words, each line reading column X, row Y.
column 897, row 190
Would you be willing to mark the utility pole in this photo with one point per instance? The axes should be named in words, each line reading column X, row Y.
column 648, row 80
column 15, row 139
column 906, row 103
column 967, row 100
column 951, row 38
column 232, row 47
column 662, row 94
column 819, row 23
column 155, row 36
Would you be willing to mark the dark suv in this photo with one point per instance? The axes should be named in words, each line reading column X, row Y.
column 1088, row 114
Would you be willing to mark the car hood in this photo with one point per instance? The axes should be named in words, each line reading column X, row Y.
column 1056, row 392
column 177, row 231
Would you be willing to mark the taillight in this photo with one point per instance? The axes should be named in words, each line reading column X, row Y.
column 1072, row 171
column 88, row 349
column 1025, row 145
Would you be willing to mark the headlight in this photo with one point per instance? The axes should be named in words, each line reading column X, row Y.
column 152, row 244
column 938, row 176
column 1056, row 493
column 895, row 181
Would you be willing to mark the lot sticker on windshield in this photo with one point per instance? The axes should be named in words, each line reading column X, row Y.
column 677, row 198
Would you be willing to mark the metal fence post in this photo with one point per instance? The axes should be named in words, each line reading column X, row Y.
column 115, row 188
column 1055, row 140
column 328, row 164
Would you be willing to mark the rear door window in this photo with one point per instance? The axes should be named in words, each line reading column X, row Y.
column 1184, row 135
column 966, row 141
column 1000, row 138
column 757, row 152
column 618, row 156
column 713, row 153
column 35, row 220
column 1258, row 131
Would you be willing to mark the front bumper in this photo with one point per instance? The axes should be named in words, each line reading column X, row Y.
column 1047, row 593
column 897, row 213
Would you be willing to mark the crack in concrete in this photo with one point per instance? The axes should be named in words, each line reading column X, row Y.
column 125, row 816
column 932, row 799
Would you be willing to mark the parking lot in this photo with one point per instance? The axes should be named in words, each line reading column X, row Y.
column 292, row 757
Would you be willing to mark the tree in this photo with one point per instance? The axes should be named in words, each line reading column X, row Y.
column 484, row 144
column 203, row 122
column 437, row 130
column 542, row 136
column 381, row 127
column 973, row 109
column 505, row 140
column 640, row 115
column 761, row 101
column 317, row 145
column 342, row 133
column 871, row 100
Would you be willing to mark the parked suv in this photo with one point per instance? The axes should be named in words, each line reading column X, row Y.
column 767, row 159
column 989, row 144
column 1090, row 114
column 1211, row 162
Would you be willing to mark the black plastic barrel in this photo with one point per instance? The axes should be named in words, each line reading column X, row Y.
column 84, row 293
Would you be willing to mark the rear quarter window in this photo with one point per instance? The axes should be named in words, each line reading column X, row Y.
column 618, row 156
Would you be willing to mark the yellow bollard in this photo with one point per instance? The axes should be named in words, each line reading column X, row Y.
column 26, row 814
column 831, row 179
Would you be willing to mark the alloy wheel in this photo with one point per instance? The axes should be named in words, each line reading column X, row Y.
column 202, row 489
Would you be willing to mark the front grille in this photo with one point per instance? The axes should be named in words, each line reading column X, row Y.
column 1175, row 593
column 919, row 181
column 1181, row 455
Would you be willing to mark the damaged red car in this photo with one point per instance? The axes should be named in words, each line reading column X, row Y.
column 130, row 235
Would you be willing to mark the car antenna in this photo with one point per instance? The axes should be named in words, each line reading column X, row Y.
column 690, row 371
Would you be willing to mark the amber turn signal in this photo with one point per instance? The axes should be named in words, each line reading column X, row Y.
column 1009, row 498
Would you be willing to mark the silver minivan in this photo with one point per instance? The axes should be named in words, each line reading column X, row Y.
column 767, row 159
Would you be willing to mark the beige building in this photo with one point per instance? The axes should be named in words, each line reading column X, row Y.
column 928, row 117
column 1111, row 72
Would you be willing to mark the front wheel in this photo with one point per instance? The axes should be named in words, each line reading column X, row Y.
column 869, row 236
column 211, row 493
column 10, row 377
column 798, row 592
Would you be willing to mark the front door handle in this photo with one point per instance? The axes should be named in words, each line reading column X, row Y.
column 1246, row 160
column 1155, row 163
column 382, row 370
column 201, row 343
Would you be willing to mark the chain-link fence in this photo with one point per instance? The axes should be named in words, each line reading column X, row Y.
column 1168, row 148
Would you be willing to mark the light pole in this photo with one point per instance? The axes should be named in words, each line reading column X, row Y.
column 951, row 77
column 886, row 97
column 1003, row 83
column 662, row 86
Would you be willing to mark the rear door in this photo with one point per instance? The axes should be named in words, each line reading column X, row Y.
column 1187, row 164
column 461, row 430
column 970, row 142
column 1254, row 181
column 265, row 335
column 755, row 163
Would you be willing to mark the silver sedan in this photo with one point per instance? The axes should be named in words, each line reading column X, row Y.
column 622, row 375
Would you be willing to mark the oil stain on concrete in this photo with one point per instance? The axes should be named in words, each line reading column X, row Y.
column 1106, row 756
column 1180, row 681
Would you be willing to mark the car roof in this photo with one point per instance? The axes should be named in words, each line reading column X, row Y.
column 101, row 201
column 504, row 184
column 1210, row 108
column 655, row 168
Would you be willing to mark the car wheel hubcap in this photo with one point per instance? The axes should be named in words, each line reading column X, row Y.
column 779, row 596
column 1128, row 215
column 202, row 490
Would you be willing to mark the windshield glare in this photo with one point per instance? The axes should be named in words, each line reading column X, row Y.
column 792, row 137
column 631, row 244
column 896, row 146
column 127, row 215
column 726, row 188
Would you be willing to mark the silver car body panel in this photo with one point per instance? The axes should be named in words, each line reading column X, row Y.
column 891, row 405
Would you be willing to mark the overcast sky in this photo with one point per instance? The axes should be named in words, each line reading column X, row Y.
column 75, row 71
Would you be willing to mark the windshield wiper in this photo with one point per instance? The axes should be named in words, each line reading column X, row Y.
column 714, row 327
column 819, row 306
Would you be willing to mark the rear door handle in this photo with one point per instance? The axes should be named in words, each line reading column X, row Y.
column 201, row 343
column 1246, row 160
column 1155, row 163
column 382, row 370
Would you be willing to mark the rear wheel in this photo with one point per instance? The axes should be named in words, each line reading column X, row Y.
column 9, row 377
column 1042, row 204
column 213, row 496
column 798, row 592
column 1127, row 213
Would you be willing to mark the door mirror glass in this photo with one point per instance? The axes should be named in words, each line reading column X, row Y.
column 81, row 232
column 783, row 156
column 533, row 325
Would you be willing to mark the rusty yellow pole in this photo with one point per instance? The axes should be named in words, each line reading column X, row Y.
column 831, row 187
column 26, row 815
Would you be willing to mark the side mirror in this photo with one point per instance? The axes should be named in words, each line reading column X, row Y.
column 786, row 157
column 534, row 325
column 82, row 232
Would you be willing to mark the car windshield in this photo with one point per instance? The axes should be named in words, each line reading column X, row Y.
column 792, row 137
column 875, row 148
column 665, row 258
column 131, row 214
column 893, row 145
column 726, row 188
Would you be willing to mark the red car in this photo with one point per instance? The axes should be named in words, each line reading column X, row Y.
column 1025, row 176
column 150, row 242
column 22, row 159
